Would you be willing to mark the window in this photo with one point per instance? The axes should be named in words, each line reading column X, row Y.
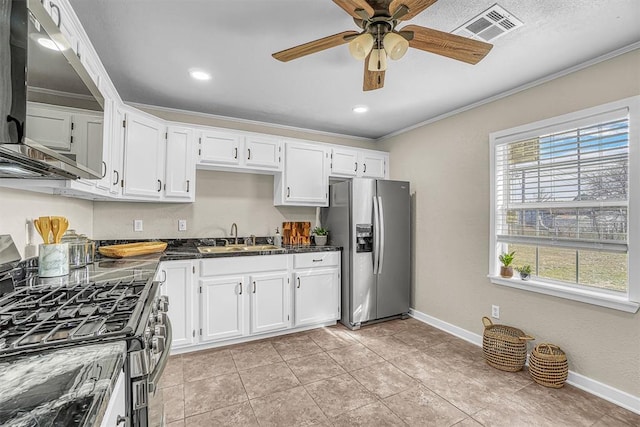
column 564, row 198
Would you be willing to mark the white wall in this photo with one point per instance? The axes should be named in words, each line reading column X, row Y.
column 17, row 207
column 447, row 163
column 222, row 198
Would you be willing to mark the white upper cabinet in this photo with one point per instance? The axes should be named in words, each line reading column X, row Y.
column 143, row 156
column 180, row 168
column 219, row 148
column 262, row 152
column 117, row 150
column 374, row 164
column 304, row 181
column 351, row 163
column 344, row 162
column 227, row 150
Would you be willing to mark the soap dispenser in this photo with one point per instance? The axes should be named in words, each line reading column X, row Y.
column 277, row 239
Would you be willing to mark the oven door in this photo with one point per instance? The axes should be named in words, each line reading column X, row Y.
column 152, row 413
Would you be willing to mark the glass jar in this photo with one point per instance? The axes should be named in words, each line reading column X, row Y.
column 90, row 249
column 77, row 249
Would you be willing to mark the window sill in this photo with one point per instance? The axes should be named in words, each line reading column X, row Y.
column 582, row 295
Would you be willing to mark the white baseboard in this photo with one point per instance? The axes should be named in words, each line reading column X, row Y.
column 604, row 391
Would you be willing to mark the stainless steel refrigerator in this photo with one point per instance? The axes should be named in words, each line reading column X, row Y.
column 370, row 219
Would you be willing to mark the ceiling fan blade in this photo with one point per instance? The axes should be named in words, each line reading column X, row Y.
column 351, row 6
column 372, row 79
column 415, row 7
column 449, row 45
column 314, row 46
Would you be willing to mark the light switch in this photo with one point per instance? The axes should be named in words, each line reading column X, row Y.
column 137, row 225
column 182, row 225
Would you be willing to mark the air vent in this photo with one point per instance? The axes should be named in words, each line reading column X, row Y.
column 489, row 25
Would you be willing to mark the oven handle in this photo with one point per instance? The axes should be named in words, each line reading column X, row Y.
column 154, row 377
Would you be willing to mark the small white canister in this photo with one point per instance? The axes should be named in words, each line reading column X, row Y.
column 53, row 260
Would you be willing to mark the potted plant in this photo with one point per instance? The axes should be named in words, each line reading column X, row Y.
column 525, row 271
column 320, row 236
column 506, row 259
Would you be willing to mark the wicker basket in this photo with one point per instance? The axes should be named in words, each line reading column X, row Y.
column 548, row 365
column 504, row 347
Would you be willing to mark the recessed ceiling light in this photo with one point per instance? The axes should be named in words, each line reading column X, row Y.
column 199, row 74
column 48, row 43
column 360, row 109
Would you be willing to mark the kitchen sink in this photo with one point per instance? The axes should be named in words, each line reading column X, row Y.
column 237, row 248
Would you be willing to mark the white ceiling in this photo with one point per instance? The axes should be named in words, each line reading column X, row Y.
column 148, row 46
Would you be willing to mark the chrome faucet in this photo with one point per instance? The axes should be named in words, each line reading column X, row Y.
column 234, row 225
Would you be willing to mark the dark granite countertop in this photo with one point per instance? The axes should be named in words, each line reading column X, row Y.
column 182, row 249
column 67, row 387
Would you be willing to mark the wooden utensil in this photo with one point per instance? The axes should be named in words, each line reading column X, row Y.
column 59, row 226
column 55, row 228
column 44, row 223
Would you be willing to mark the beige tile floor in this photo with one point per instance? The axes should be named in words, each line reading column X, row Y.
column 396, row 373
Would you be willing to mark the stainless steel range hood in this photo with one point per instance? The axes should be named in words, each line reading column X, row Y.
column 31, row 160
column 52, row 78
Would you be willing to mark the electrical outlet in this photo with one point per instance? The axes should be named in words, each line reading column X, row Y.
column 182, row 225
column 137, row 225
column 495, row 311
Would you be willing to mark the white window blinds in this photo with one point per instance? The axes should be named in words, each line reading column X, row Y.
column 566, row 186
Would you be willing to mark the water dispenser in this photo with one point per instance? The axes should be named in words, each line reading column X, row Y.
column 364, row 238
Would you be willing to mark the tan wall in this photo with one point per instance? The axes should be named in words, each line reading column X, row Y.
column 447, row 163
column 16, row 207
column 222, row 198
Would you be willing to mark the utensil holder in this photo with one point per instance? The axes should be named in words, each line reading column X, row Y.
column 53, row 260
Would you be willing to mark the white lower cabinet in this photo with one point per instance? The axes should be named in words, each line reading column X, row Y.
column 316, row 280
column 269, row 302
column 222, row 308
column 178, row 285
column 215, row 300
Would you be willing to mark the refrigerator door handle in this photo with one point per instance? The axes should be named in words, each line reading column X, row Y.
column 376, row 235
column 381, row 234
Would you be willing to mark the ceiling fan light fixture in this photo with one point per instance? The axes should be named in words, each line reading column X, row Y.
column 395, row 45
column 377, row 60
column 361, row 46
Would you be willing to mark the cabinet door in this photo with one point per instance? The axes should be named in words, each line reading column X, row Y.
column 178, row 286
column 269, row 302
column 373, row 165
column 143, row 157
column 87, row 140
column 344, row 162
column 263, row 152
column 305, row 175
column 222, row 308
column 107, row 136
column 49, row 127
column 219, row 148
column 117, row 151
column 180, row 167
column 316, row 296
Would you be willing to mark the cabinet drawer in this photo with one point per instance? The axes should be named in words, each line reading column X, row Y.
column 316, row 259
column 243, row 264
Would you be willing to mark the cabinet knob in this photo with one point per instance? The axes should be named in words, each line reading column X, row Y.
column 240, row 284
column 298, row 283
column 249, row 156
column 235, row 153
column 254, row 287
column 356, row 169
column 159, row 186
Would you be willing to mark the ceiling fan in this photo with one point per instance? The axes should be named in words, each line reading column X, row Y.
column 379, row 38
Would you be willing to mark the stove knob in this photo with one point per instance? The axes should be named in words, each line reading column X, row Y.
column 158, row 344
column 163, row 303
column 160, row 318
column 148, row 333
column 161, row 330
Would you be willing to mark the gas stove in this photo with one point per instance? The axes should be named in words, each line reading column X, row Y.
column 33, row 317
